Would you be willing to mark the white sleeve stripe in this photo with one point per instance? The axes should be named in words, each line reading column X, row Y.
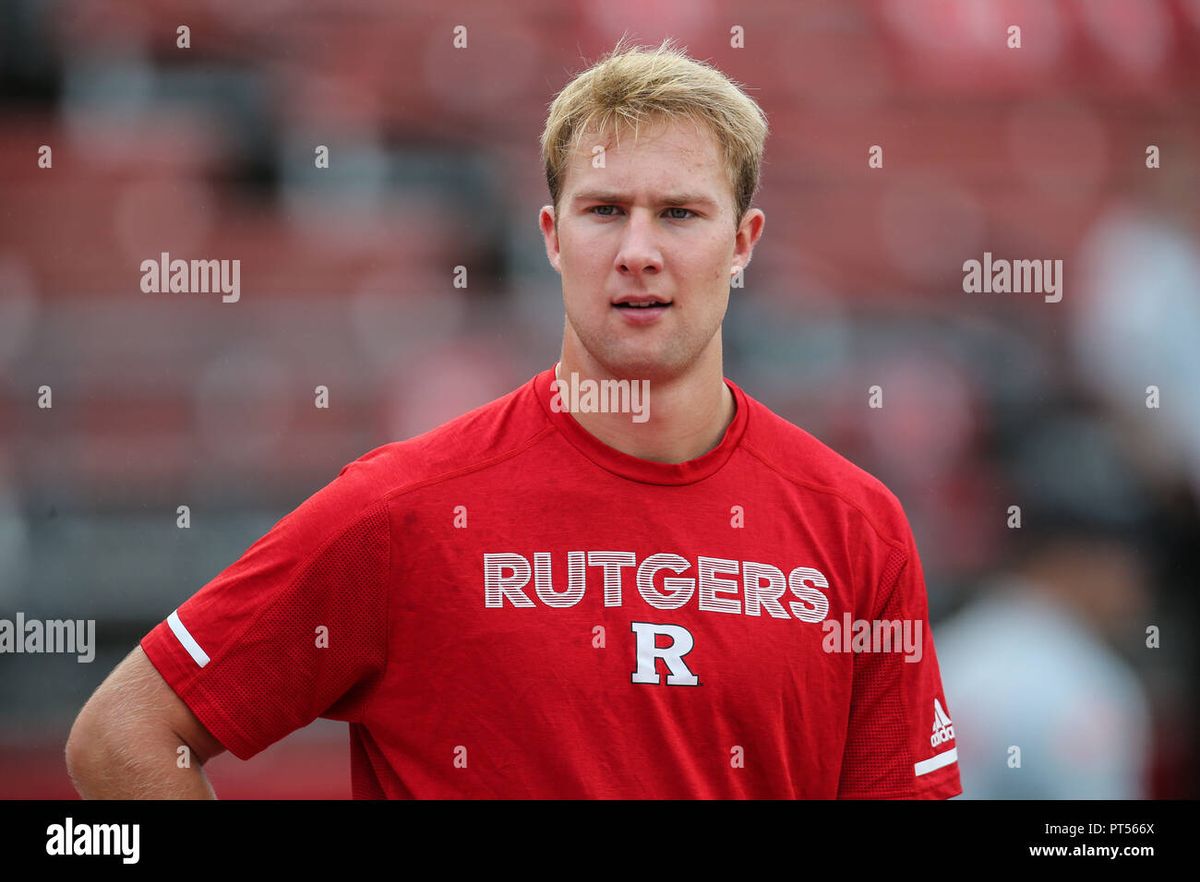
column 945, row 758
column 189, row 642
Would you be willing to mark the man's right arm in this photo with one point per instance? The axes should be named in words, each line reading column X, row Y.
column 125, row 743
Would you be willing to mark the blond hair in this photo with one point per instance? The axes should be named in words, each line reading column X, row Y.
column 632, row 84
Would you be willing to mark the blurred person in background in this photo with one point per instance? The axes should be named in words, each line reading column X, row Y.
column 1046, row 705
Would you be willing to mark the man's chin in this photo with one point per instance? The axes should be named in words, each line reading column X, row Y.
column 653, row 366
column 660, row 358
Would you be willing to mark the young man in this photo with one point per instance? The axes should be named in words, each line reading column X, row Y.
column 554, row 597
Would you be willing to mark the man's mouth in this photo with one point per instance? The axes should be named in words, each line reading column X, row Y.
column 644, row 303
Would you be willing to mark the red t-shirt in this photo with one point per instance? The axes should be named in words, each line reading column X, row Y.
column 505, row 607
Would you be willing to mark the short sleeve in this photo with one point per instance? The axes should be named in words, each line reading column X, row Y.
column 295, row 629
column 900, row 743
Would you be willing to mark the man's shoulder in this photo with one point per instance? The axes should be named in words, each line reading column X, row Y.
column 803, row 460
column 487, row 435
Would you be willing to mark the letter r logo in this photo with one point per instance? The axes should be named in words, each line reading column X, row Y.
column 648, row 651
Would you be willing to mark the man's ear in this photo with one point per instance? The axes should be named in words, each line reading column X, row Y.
column 748, row 234
column 548, row 226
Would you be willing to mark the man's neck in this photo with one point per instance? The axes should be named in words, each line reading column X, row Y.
column 687, row 418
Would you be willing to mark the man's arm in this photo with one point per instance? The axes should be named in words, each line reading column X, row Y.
column 125, row 743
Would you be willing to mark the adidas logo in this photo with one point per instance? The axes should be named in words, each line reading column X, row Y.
column 943, row 729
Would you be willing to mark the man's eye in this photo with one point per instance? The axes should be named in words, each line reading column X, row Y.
column 599, row 210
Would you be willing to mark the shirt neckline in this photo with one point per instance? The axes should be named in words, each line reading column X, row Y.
column 631, row 467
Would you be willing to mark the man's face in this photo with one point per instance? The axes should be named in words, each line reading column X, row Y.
column 653, row 221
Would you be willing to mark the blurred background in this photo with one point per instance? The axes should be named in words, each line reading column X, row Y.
column 162, row 400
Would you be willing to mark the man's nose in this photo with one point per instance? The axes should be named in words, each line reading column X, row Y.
column 639, row 252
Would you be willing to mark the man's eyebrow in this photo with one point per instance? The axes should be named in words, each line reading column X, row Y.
column 610, row 198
